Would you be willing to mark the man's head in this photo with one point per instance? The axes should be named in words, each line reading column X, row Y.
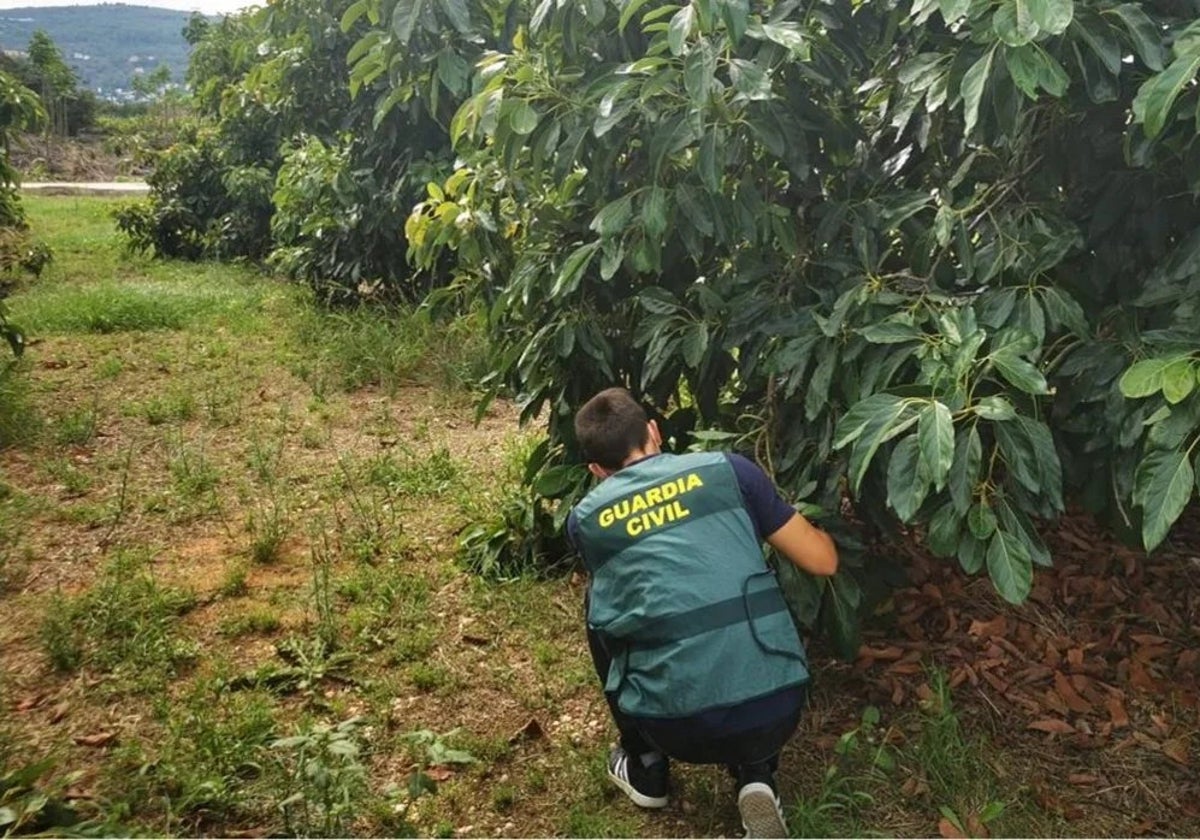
column 612, row 429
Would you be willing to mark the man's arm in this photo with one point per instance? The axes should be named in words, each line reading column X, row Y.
column 809, row 548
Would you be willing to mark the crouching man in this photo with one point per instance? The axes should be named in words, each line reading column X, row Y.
column 692, row 640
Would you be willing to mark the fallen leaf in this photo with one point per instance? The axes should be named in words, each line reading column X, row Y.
column 888, row 654
column 30, row 702
column 1069, row 695
column 997, row 626
column 1053, row 725
column 1148, row 639
column 99, row 739
column 1082, row 779
column 948, row 830
column 60, row 711
column 1177, row 749
column 1116, row 711
column 1188, row 660
column 1143, row 827
column 976, row 827
column 1139, row 678
column 439, row 774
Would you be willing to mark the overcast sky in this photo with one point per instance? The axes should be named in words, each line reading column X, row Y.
column 212, row 7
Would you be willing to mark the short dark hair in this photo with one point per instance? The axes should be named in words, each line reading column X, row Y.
column 610, row 426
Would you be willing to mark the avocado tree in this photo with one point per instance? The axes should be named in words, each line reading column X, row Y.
column 935, row 257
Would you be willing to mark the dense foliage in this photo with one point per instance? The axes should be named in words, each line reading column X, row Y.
column 934, row 259
column 44, row 70
column 290, row 167
column 901, row 250
column 19, row 110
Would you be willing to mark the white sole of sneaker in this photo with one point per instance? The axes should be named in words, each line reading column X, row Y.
column 760, row 811
column 639, row 799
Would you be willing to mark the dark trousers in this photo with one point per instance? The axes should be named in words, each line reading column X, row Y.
column 746, row 739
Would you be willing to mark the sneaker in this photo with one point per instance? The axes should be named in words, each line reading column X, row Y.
column 762, row 815
column 646, row 786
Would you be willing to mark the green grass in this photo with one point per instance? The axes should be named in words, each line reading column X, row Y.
column 124, row 624
column 351, row 349
column 129, row 306
column 19, row 419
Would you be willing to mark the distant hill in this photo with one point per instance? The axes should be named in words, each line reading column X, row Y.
column 105, row 44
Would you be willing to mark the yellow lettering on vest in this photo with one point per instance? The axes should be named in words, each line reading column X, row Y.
column 657, row 516
column 668, row 491
column 679, row 511
column 621, row 509
column 606, row 518
column 693, row 481
column 654, row 496
column 639, row 504
column 634, row 527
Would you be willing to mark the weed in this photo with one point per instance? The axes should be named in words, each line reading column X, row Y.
column 263, row 458
column 208, row 754
column 74, row 481
column 19, row 422
column 233, row 584
column 257, row 619
column 413, row 645
column 322, row 593
column 372, row 522
column 325, row 779
column 123, row 623
column 268, row 527
column 77, row 428
column 503, row 798
column 178, row 407
column 427, row 677
column 110, row 367
column 194, row 477
column 60, row 640
column 432, row 475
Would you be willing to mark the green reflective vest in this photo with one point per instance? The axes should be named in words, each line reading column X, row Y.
column 680, row 593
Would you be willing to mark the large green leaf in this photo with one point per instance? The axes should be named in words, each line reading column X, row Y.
column 1052, row 16
column 972, row 89
column 1178, row 380
column 890, row 332
column 880, row 428
column 404, row 19
column 1020, row 373
column 680, row 28
column 964, row 473
column 906, row 487
column 698, row 70
column 573, row 268
column 854, row 421
column 613, row 217
column 1010, row 566
column 1013, row 24
column 1146, row 38
column 1165, row 481
column 935, row 431
column 1157, row 95
column 1145, row 377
